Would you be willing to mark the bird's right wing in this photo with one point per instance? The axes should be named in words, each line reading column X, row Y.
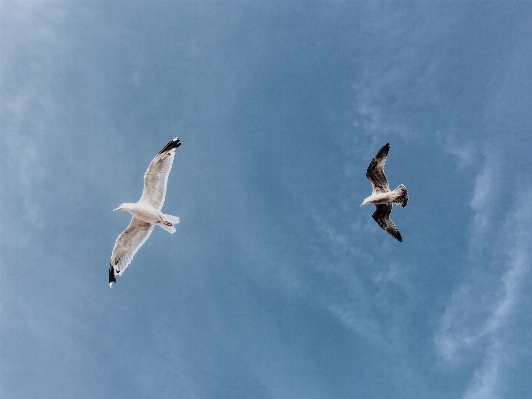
column 156, row 177
column 375, row 172
column 382, row 217
column 126, row 246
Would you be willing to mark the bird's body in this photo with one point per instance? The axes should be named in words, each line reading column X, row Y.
column 149, row 214
column 146, row 212
column 381, row 196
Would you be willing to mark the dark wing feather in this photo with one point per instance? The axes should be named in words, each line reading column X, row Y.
column 382, row 217
column 375, row 172
column 156, row 177
column 126, row 246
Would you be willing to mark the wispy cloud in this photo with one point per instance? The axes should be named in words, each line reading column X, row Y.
column 485, row 194
column 466, row 152
column 29, row 33
column 498, row 356
column 480, row 316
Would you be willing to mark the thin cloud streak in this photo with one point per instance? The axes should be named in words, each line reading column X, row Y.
column 487, row 380
column 480, row 315
column 29, row 110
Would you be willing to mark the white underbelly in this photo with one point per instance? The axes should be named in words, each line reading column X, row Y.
column 381, row 198
column 147, row 214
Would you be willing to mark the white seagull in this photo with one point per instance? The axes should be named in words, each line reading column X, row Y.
column 381, row 195
column 146, row 212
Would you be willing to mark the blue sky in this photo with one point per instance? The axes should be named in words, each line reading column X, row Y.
column 276, row 284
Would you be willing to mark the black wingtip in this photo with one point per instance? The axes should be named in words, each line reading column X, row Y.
column 112, row 277
column 383, row 151
column 174, row 143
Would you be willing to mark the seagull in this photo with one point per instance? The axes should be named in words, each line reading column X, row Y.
column 146, row 212
column 381, row 195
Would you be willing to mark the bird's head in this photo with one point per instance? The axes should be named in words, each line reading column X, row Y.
column 123, row 207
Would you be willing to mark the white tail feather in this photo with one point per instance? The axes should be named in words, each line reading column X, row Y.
column 401, row 195
column 170, row 218
column 170, row 229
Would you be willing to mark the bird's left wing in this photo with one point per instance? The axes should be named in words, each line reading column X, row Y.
column 126, row 246
column 375, row 171
column 156, row 177
column 382, row 217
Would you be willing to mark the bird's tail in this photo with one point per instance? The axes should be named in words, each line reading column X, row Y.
column 170, row 229
column 401, row 196
column 172, row 219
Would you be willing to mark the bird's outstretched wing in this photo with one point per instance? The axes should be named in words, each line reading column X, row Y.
column 126, row 246
column 382, row 217
column 375, row 172
column 156, row 177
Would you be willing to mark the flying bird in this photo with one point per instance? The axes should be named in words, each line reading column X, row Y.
column 146, row 212
column 381, row 195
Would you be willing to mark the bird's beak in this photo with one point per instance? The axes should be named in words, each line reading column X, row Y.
column 116, row 209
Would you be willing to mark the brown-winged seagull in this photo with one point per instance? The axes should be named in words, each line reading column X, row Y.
column 146, row 212
column 381, row 195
